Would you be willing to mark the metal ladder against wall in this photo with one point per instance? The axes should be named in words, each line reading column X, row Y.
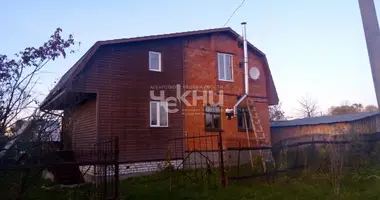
column 258, row 131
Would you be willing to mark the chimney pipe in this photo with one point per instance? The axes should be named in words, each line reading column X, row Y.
column 372, row 37
column 245, row 57
column 246, row 89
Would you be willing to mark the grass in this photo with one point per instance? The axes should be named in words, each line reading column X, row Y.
column 358, row 184
column 306, row 186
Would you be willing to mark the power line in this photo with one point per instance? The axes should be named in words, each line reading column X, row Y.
column 234, row 13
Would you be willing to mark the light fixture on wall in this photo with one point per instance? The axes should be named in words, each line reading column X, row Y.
column 229, row 113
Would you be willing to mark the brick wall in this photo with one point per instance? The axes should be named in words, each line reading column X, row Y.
column 131, row 169
column 154, row 166
column 200, row 68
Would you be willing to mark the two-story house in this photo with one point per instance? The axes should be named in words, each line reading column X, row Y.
column 115, row 90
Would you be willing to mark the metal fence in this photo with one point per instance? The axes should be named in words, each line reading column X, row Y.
column 202, row 158
column 23, row 168
column 194, row 159
column 319, row 154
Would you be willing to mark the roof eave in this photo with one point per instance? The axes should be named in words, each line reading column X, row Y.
column 82, row 61
column 53, row 98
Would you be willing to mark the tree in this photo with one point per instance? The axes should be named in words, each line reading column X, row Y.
column 370, row 108
column 276, row 113
column 345, row 108
column 18, row 77
column 308, row 106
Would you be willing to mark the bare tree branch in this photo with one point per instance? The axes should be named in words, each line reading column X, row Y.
column 276, row 113
column 307, row 106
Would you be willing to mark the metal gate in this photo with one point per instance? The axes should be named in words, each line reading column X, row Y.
column 202, row 159
column 106, row 170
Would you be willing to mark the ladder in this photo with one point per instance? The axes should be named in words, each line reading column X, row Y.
column 258, row 131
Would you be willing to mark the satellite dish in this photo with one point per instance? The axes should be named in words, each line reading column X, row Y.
column 254, row 73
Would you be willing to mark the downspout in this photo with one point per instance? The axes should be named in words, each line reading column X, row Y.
column 245, row 69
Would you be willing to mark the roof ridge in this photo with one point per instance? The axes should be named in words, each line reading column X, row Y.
column 199, row 31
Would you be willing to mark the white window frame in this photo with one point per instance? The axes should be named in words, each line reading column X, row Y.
column 159, row 61
column 159, row 103
column 225, row 55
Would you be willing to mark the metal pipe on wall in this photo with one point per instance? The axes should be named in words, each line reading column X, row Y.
column 246, row 88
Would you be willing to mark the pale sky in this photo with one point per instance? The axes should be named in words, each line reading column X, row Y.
column 314, row 47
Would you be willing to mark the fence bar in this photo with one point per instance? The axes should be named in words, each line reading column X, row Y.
column 267, row 173
column 238, row 161
column 221, row 163
column 116, row 171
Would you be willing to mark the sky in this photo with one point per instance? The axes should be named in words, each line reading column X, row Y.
column 315, row 48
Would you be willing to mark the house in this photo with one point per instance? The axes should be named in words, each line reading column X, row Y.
column 16, row 126
column 358, row 123
column 146, row 90
column 28, row 135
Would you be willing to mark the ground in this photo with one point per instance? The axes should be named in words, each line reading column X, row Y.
column 358, row 184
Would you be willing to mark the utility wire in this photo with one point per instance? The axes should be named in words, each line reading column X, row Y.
column 234, row 13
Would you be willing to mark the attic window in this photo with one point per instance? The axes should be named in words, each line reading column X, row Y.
column 154, row 61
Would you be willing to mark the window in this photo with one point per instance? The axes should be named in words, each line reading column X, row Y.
column 212, row 118
column 154, row 61
column 158, row 114
column 225, row 67
column 243, row 112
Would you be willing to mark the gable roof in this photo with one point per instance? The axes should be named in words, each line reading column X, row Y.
column 330, row 119
column 78, row 66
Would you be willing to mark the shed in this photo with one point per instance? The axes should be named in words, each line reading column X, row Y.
column 359, row 123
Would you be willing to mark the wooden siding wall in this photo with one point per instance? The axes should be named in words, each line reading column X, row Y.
column 83, row 120
column 66, row 130
column 120, row 76
column 201, row 70
column 377, row 121
column 367, row 125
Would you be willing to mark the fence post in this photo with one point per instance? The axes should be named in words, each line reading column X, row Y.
column 116, row 167
column 22, row 187
column 238, row 161
column 221, row 161
column 104, row 166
